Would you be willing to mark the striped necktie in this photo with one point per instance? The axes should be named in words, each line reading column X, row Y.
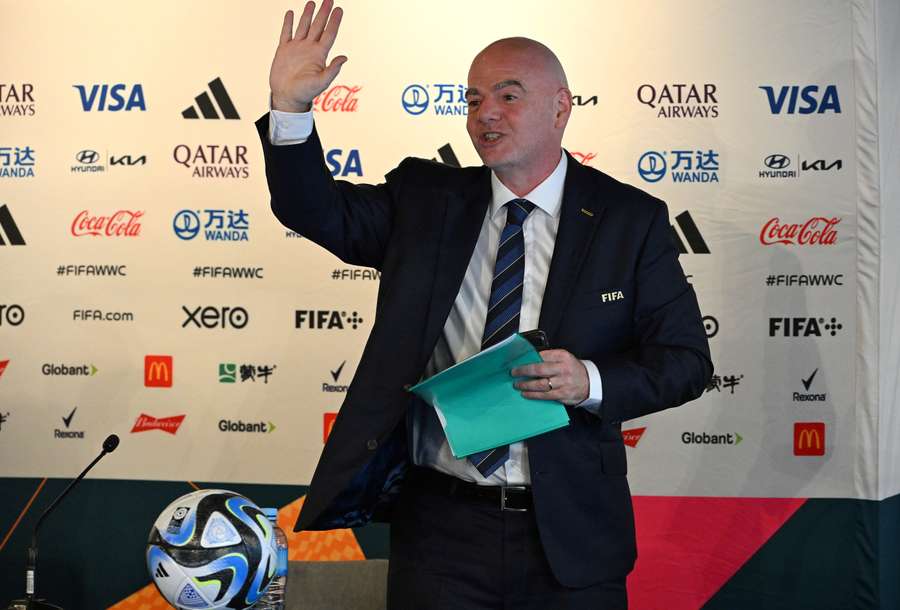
column 504, row 305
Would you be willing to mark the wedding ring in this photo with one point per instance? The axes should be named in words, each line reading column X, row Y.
column 549, row 385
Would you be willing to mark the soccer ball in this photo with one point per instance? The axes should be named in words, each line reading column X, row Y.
column 212, row 549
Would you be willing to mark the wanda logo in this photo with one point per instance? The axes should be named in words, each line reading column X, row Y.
column 817, row 231
column 124, row 223
column 339, row 98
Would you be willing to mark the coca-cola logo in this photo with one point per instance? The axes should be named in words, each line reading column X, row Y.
column 124, row 223
column 584, row 158
column 817, row 231
column 146, row 422
column 339, row 98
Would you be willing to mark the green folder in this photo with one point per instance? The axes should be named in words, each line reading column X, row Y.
column 478, row 406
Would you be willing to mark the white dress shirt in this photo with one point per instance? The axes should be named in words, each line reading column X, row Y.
column 464, row 327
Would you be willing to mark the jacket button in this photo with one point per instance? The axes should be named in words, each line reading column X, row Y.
column 371, row 444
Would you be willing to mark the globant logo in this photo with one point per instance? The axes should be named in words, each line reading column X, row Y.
column 681, row 165
column 213, row 160
column 817, row 231
column 791, row 99
column 16, row 162
column 50, row 369
column 146, row 422
column 704, row 438
column 227, row 425
column 219, row 225
column 123, row 223
column 338, row 98
column 680, row 100
column 445, row 99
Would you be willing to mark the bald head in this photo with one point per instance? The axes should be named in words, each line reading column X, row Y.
column 538, row 55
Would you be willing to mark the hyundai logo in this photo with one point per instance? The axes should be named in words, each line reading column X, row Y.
column 186, row 224
column 415, row 99
column 777, row 161
column 87, row 156
column 652, row 166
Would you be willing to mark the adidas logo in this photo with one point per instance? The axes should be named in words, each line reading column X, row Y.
column 161, row 571
column 9, row 229
column 205, row 104
column 691, row 234
column 448, row 157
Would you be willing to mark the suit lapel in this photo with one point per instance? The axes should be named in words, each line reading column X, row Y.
column 579, row 217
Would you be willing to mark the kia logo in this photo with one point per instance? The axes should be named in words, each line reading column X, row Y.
column 87, row 156
column 777, row 161
column 415, row 99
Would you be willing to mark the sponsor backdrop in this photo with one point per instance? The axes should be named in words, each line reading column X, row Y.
column 148, row 290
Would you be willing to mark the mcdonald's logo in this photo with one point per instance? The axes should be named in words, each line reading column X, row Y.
column 328, row 425
column 809, row 438
column 158, row 371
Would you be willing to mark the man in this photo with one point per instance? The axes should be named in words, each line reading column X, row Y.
column 530, row 240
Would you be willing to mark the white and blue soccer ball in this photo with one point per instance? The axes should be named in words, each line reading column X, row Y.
column 212, row 549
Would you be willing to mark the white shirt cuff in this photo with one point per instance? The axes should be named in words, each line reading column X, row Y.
column 595, row 390
column 289, row 127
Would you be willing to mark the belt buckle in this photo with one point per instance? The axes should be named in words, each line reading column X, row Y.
column 503, row 505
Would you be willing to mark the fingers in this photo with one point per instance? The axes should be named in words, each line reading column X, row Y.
column 331, row 30
column 318, row 24
column 540, row 369
column 305, row 20
column 286, row 28
column 334, row 67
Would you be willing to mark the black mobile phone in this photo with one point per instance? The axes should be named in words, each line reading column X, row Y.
column 537, row 338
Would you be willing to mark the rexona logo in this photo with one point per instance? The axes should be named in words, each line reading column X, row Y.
column 230, row 372
column 817, row 231
column 334, row 386
column 67, row 420
column 803, row 327
column 50, row 369
column 207, row 109
column 123, row 223
column 704, row 438
column 12, row 315
column 17, row 99
column 809, row 438
column 693, row 241
column 680, row 100
column 9, row 230
column 328, row 424
column 444, row 99
column 808, row 396
column 346, row 166
column 213, row 160
column 218, row 225
column 797, row 99
column 146, row 422
column 158, row 371
column 681, row 165
column 215, row 317
column 338, row 98
column 111, row 98
column 326, row 319
column 632, row 437
column 259, row 427
column 16, row 162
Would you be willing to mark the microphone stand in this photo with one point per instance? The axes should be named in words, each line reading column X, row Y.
column 29, row 602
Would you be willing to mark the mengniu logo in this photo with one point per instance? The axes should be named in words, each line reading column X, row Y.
column 16, row 162
column 123, row 223
column 9, row 231
column 693, row 241
column 205, row 104
column 215, row 317
column 682, row 165
column 803, row 327
column 146, row 422
column 817, row 231
column 797, row 99
column 326, row 319
column 218, row 225
column 445, row 99
column 632, row 437
column 328, row 424
column 158, row 371
column 111, row 98
column 230, row 372
column 3, row 365
column 809, row 438
column 17, row 100
column 338, row 98
column 12, row 315
column 344, row 167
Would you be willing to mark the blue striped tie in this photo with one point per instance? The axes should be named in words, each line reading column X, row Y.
column 504, row 306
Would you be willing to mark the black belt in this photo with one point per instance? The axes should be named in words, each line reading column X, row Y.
column 515, row 498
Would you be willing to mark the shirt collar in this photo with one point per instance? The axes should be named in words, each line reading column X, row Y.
column 547, row 195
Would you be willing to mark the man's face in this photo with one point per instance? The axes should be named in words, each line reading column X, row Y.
column 513, row 120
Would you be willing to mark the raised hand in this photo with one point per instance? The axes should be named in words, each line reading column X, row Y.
column 298, row 71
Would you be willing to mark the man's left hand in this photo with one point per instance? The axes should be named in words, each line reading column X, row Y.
column 561, row 376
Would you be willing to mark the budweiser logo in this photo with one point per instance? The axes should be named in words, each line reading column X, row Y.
column 123, row 223
column 339, row 98
column 631, row 437
column 815, row 231
column 166, row 424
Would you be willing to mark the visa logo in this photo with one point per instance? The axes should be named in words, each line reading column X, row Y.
column 352, row 165
column 802, row 100
column 111, row 97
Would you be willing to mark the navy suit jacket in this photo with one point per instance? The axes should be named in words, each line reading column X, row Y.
column 419, row 229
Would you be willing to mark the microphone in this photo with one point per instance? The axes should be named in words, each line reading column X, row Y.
column 29, row 603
